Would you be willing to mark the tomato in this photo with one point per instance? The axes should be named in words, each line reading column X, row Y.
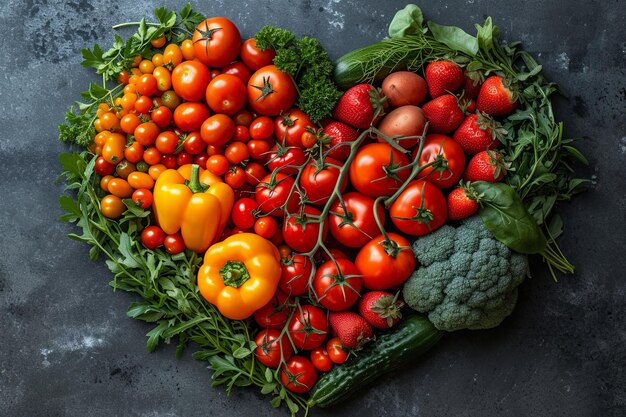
column 243, row 117
column 242, row 214
column 254, row 173
column 194, row 144
column 172, row 55
column 275, row 313
column 124, row 168
column 446, row 149
column 266, row 227
column 337, row 284
column 242, row 134
column 119, row 187
column 385, row 264
column 308, row 327
column 134, row 152
column 166, row 142
column 155, row 170
column 258, row 149
column 226, row 94
column 147, row 85
column 318, row 180
column 103, row 167
column 201, row 159
column 298, row 375
column 152, row 237
column 184, row 158
column 336, row 352
column 169, row 161
column 112, row 206
column 162, row 116
column 190, row 80
column 140, row 180
column 158, row 42
column 420, row 209
column 352, row 223
column 239, row 70
column 271, row 347
column 163, row 77
column 217, row 129
column 104, row 182
column 142, row 197
column 271, row 91
column 309, row 139
column 189, row 116
column 113, row 149
column 301, row 230
column 216, row 42
column 261, row 128
column 296, row 271
column 146, row 133
column 170, row 99
column 217, row 164
column 290, row 127
column 235, row 177
column 187, row 49
column 373, row 168
column 129, row 123
column 236, row 152
column 286, row 159
column 174, row 244
column 123, row 76
column 272, row 194
column 255, row 58
column 321, row 359
column 152, row 156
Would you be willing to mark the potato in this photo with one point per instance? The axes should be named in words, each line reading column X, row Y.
column 404, row 87
column 403, row 121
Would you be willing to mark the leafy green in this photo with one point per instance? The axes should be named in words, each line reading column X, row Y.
column 455, row 38
column 306, row 61
column 407, row 21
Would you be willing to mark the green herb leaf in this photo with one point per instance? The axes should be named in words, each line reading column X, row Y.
column 407, row 21
column 455, row 38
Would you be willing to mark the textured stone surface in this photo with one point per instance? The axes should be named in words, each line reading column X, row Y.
column 67, row 348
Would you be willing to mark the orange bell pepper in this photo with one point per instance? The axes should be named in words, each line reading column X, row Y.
column 192, row 207
column 240, row 275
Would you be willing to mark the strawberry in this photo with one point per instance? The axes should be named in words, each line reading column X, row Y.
column 352, row 329
column 360, row 107
column 497, row 96
column 335, row 133
column 381, row 309
column 443, row 113
column 479, row 132
column 443, row 76
column 472, row 81
column 486, row 166
column 462, row 202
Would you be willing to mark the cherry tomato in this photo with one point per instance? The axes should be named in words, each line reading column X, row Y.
column 271, row 347
column 321, row 359
column 146, row 133
column 113, row 149
column 112, row 206
column 242, row 134
column 129, row 123
column 152, row 237
column 261, row 128
column 309, row 139
column 288, row 159
column 272, row 194
column 253, row 57
column 442, row 147
column 190, row 80
column 216, row 42
column 308, row 327
column 142, row 197
column 337, row 284
column 254, row 173
column 103, row 167
column 275, row 313
column 166, row 142
column 352, row 222
column 174, row 244
column 170, row 99
column 201, row 159
column 385, row 264
column 368, row 170
column 140, row 180
column 104, row 182
column 172, row 55
column 194, row 144
column 184, row 158
column 187, row 49
column 147, row 85
column 217, row 164
column 271, row 91
column 420, row 209
column 155, row 170
column 226, row 94
column 239, row 70
column 119, row 187
column 235, row 177
column 162, row 116
column 143, row 105
column 336, row 351
column 243, row 117
column 296, row 271
column 152, row 156
column 189, row 116
column 301, row 231
column 290, row 127
column 163, row 77
column 158, row 42
column 123, row 77
column 266, row 227
column 217, row 129
column 258, row 149
column 318, row 180
column 236, row 152
column 242, row 214
column 298, row 375
column 169, row 161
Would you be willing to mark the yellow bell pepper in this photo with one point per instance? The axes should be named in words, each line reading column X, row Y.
column 194, row 208
column 240, row 275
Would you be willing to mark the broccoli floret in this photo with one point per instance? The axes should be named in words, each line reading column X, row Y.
column 466, row 279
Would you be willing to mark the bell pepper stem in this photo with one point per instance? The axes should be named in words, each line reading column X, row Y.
column 194, row 183
column 234, row 274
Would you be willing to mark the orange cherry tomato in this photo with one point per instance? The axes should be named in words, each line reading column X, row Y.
column 112, row 206
column 119, row 187
column 113, row 149
column 217, row 129
column 140, row 180
column 134, row 152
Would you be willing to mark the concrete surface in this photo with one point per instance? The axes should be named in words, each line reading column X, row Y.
column 67, row 348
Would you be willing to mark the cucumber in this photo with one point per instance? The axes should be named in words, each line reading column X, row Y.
column 373, row 62
column 392, row 350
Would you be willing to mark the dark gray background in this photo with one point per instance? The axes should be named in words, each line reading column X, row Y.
column 67, row 348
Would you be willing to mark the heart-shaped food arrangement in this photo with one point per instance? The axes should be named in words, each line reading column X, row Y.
column 307, row 226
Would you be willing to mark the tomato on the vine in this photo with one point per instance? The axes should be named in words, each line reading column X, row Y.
column 351, row 220
column 301, row 230
column 273, row 192
column 216, row 42
column 271, row 91
column 385, row 264
column 290, row 126
column 298, row 375
column 375, row 170
column 275, row 313
column 318, row 180
column 288, row 159
column 337, row 284
column 271, row 347
column 420, row 209
column 296, row 271
column 253, row 57
column 308, row 327
column 449, row 152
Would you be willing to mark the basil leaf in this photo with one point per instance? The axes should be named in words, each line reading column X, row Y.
column 454, row 38
column 504, row 214
column 408, row 21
